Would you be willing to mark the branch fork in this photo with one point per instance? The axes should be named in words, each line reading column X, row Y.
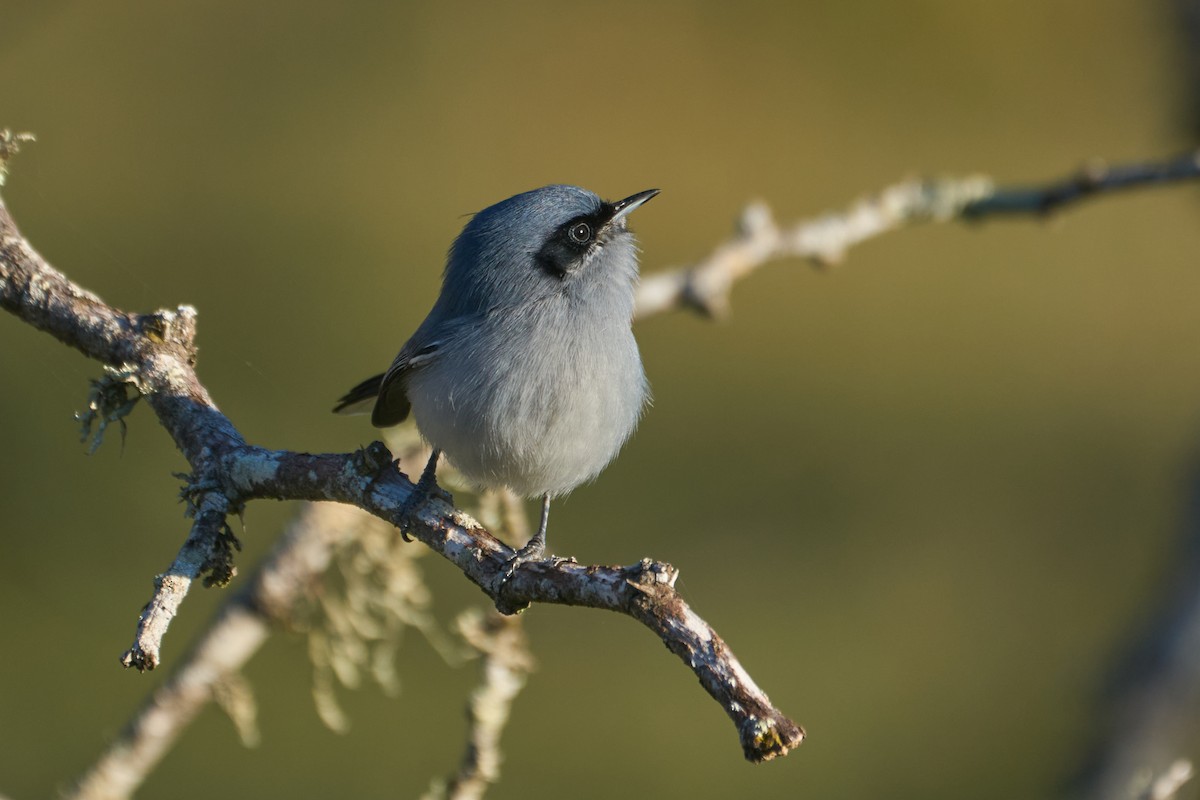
column 156, row 354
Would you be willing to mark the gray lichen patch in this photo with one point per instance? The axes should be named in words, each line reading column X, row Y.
column 254, row 469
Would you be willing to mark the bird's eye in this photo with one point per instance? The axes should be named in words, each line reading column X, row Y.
column 580, row 233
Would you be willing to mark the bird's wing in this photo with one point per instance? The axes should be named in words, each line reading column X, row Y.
column 386, row 395
column 392, row 406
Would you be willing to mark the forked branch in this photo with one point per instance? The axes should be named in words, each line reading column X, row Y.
column 154, row 353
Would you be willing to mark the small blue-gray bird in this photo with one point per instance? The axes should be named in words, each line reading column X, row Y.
column 525, row 373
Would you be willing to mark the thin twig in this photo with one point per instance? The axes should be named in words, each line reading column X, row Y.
column 758, row 240
column 172, row 587
column 505, row 663
column 1094, row 179
column 237, row 632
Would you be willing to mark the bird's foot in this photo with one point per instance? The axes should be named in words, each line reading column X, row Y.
column 534, row 550
column 422, row 494
column 435, row 492
column 426, row 488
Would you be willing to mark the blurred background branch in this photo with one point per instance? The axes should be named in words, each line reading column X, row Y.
column 1151, row 707
column 758, row 240
column 504, row 665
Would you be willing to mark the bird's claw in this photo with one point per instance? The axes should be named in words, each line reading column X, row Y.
column 419, row 499
column 426, row 488
column 525, row 555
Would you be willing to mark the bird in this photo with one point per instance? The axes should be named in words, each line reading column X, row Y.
column 525, row 374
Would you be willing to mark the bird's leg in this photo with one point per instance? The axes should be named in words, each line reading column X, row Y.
column 426, row 487
column 427, row 483
column 535, row 548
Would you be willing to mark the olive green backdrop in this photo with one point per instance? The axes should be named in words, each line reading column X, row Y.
column 926, row 497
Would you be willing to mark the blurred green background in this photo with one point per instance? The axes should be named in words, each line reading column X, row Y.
column 926, row 497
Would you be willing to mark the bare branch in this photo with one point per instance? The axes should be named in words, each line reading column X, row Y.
column 759, row 240
column 1096, row 178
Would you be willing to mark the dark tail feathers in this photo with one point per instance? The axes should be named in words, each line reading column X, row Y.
column 354, row 401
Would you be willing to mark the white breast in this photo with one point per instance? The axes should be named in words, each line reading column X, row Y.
column 544, row 416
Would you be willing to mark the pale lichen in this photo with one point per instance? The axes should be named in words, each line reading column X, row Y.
column 10, row 145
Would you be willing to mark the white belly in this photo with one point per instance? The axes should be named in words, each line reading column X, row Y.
column 541, row 417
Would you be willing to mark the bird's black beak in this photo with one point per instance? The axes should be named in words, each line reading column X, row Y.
column 622, row 208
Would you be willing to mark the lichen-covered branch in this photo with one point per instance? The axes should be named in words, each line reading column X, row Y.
column 172, row 586
column 155, row 354
column 646, row 591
